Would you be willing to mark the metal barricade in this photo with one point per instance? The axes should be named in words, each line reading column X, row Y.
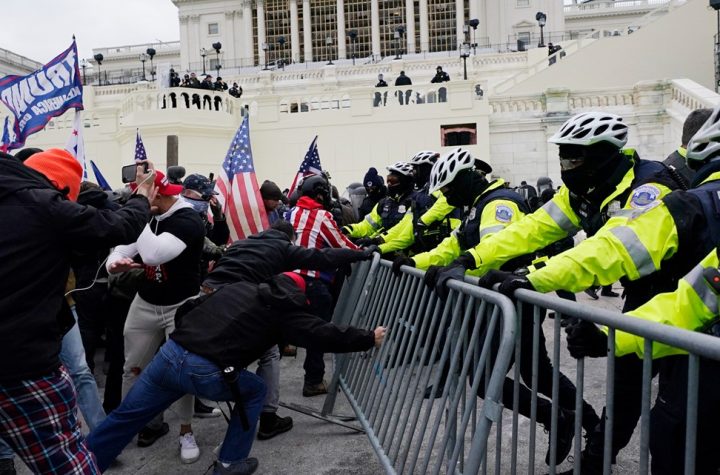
column 416, row 397
column 699, row 346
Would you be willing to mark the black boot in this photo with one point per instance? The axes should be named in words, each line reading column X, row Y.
column 271, row 425
column 566, row 432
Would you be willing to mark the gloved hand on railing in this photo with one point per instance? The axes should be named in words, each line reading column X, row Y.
column 438, row 277
column 346, row 230
column 401, row 261
column 369, row 251
column 585, row 339
column 509, row 281
column 367, row 241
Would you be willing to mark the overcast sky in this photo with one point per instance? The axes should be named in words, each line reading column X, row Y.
column 40, row 29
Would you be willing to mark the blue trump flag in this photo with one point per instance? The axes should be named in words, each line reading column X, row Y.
column 38, row 97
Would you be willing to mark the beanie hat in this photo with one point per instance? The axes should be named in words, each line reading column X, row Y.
column 270, row 191
column 60, row 168
column 299, row 281
column 373, row 179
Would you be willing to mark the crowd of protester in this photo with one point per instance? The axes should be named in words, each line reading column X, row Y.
column 190, row 80
column 183, row 313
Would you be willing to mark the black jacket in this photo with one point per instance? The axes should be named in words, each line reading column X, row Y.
column 41, row 229
column 270, row 252
column 237, row 324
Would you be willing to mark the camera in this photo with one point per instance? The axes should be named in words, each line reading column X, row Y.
column 129, row 172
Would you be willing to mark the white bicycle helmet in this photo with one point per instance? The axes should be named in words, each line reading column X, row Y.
column 426, row 156
column 401, row 168
column 589, row 128
column 705, row 144
column 446, row 168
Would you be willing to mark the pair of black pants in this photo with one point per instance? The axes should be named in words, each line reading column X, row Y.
column 321, row 305
column 117, row 310
column 566, row 389
column 667, row 421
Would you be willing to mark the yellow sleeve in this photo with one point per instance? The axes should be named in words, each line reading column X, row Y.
column 438, row 210
column 442, row 255
column 554, row 221
column 368, row 226
column 633, row 243
column 686, row 307
column 399, row 236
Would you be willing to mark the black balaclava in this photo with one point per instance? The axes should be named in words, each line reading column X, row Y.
column 403, row 186
column 422, row 174
column 603, row 162
column 465, row 188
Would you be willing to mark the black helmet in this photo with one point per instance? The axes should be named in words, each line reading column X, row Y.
column 316, row 185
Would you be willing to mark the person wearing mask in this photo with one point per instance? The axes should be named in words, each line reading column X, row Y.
column 169, row 250
column 492, row 208
column 199, row 191
column 316, row 229
column 37, row 397
column 617, row 199
column 375, row 190
column 217, row 336
column 676, row 160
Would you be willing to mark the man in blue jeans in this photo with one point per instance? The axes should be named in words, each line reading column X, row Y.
column 216, row 336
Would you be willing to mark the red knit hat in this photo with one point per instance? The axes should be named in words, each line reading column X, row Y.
column 60, row 167
column 299, row 281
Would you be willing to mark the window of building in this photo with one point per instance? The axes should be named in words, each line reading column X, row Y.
column 524, row 37
column 277, row 33
column 523, row 3
column 458, row 134
column 213, row 29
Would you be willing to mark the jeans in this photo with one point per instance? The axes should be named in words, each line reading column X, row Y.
column 321, row 305
column 269, row 370
column 171, row 374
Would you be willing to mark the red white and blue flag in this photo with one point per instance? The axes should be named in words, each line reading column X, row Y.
column 239, row 193
column 76, row 144
column 309, row 166
column 140, row 153
column 46, row 93
column 5, row 136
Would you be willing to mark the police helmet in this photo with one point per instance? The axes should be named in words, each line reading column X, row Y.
column 705, row 144
column 589, row 128
column 401, row 168
column 315, row 185
column 447, row 168
column 426, row 156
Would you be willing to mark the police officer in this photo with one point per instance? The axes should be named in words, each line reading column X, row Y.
column 391, row 210
column 492, row 207
column 676, row 231
column 625, row 204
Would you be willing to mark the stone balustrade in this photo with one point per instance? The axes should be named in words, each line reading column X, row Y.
column 179, row 98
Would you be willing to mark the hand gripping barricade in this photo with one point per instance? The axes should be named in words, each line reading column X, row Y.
column 474, row 334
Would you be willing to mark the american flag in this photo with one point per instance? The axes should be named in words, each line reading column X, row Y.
column 76, row 144
column 140, row 153
column 309, row 166
column 239, row 194
column 5, row 136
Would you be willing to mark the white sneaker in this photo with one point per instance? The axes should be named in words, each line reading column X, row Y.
column 189, row 451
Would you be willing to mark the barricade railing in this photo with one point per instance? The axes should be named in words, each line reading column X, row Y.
column 697, row 345
column 416, row 421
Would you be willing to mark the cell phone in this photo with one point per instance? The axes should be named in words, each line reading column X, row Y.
column 129, row 172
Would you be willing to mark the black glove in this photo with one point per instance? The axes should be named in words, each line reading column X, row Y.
column 455, row 270
column 509, row 282
column 401, row 261
column 366, row 241
column 585, row 339
column 369, row 251
column 346, row 230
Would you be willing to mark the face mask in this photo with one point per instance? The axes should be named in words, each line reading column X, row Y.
column 201, row 206
column 465, row 188
column 578, row 180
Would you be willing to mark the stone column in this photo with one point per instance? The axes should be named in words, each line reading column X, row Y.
column 195, row 39
column 185, row 44
column 260, row 5
column 307, row 32
column 294, row 31
column 424, row 28
column 410, row 25
column 228, row 40
column 248, row 56
column 342, row 48
column 459, row 20
column 375, row 27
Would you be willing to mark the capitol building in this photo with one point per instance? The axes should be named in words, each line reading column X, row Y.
column 309, row 67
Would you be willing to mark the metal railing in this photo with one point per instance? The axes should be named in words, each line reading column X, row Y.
column 420, row 397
